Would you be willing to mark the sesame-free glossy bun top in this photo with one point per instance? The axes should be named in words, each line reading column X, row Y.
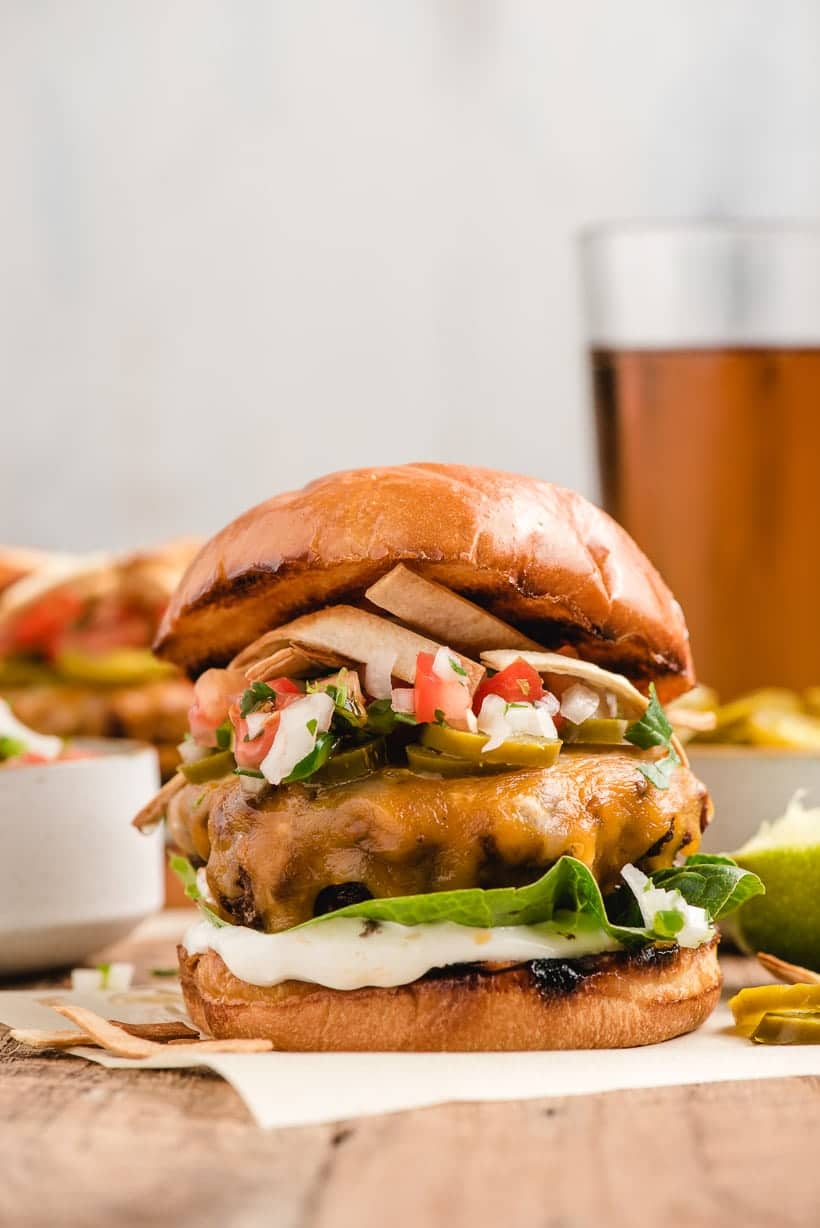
column 537, row 555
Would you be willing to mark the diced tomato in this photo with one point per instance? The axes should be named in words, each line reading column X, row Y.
column 283, row 687
column 31, row 757
column 518, row 683
column 38, row 627
column 214, row 692
column 251, row 752
column 438, row 695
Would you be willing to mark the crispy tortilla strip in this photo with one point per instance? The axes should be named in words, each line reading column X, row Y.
column 107, row 1035
column 634, row 703
column 154, row 811
column 37, row 1038
column 163, row 1032
column 294, row 661
column 168, row 1032
column 442, row 614
column 792, row 974
column 357, row 635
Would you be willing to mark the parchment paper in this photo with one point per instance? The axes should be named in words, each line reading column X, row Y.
column 293, row 1089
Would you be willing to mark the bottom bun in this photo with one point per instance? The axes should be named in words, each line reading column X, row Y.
column 599, row 1002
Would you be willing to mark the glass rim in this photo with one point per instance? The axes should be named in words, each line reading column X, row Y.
column 701, row 282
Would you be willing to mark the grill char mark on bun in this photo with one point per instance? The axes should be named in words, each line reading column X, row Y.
column 533, row 554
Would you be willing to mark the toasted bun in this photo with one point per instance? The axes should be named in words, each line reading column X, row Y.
column 603, row 1002
column 536, row 555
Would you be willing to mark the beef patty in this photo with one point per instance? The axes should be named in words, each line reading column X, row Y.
column 395, row 832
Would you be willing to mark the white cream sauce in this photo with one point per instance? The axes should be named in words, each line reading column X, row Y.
column 350, row 953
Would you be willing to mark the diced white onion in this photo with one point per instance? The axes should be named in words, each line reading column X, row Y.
column 447, row 666
column 294, row 740
column 403, row 699
column 501, row 720
column 190, row 751
column 378, row 673
column 697, row 928
column 579, row 703
column 252, row 786
column 85, row 979
column 549, row 703
column 256, row 722
column 119, row 976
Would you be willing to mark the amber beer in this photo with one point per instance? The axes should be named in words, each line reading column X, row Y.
column 709, row 455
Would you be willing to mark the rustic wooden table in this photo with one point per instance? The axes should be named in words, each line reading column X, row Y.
column 85, row 1147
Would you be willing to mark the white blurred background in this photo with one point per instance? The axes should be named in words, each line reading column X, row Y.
column 243, row 242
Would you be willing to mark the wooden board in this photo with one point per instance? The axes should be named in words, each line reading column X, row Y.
column 83, row 1147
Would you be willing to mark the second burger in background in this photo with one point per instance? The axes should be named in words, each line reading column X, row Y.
column 75, row 646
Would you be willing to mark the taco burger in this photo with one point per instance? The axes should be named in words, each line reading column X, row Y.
column 430, row 799
column 75, row 640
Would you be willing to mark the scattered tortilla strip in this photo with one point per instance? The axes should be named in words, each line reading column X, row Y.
column 294, row 661
column 38, row 1038
column 154, row 811
column 357, row 635
column 114, row 1039
column 107, row 1035
column 634, row 703
column 439, row 612
column 168, row 1032
column 792, row 974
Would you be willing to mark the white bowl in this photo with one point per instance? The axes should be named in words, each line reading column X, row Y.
column 74, row 874
column 750, row 784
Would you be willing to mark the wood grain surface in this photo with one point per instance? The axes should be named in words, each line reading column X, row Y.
column 82, row 1147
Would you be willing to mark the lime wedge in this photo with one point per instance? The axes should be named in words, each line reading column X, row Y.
column 785, row 854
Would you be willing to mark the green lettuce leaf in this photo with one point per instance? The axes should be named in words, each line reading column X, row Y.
column 714, row 883
column 186, row 874
column 569, row 891
column 567, row 896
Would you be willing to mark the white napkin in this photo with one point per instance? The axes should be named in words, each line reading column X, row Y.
column 298, row 1089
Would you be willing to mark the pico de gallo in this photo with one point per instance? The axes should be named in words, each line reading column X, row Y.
column 333, row 729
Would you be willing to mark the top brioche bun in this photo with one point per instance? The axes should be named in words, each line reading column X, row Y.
column 537, row 555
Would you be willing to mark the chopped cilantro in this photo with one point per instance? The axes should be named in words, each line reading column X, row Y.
column 320, row 754
column 653, row 729
column 456, row 668
column 312, row 726
column 256, row 694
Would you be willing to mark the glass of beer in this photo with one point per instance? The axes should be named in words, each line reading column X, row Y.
column 705, row 355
